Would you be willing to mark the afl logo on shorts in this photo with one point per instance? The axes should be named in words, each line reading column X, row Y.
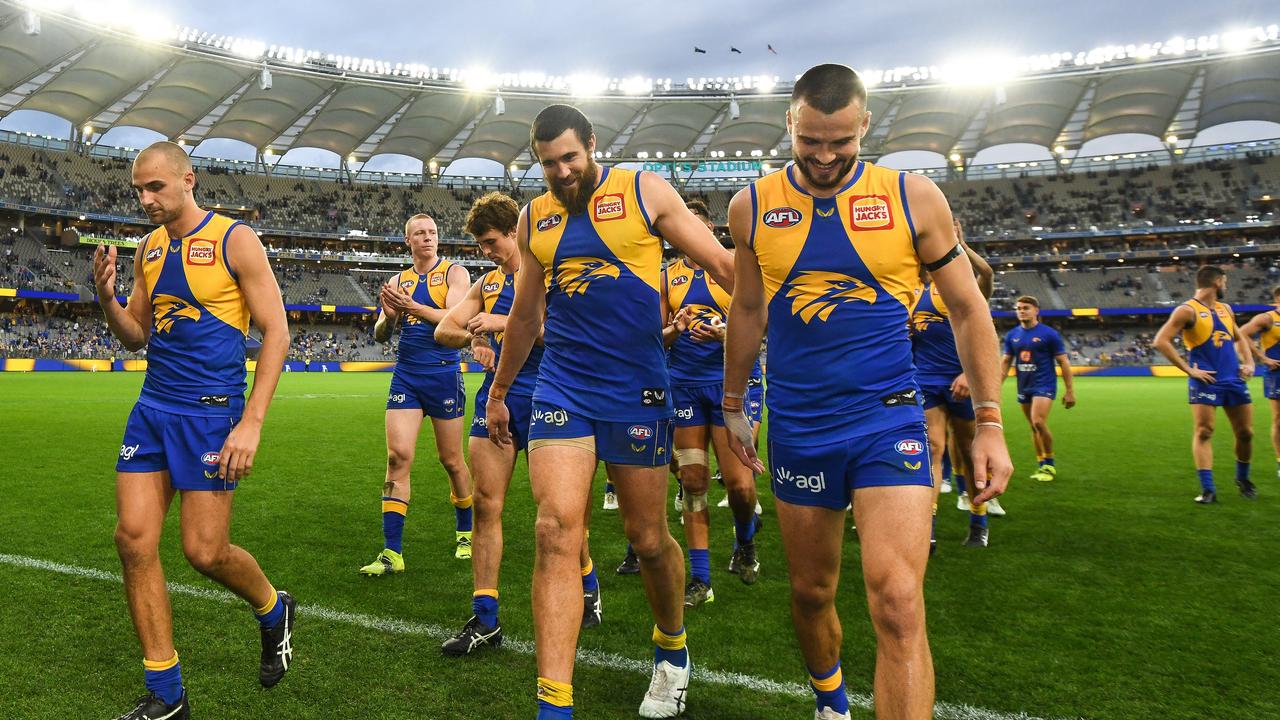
column 780, row 218
column 200, row 252
column 210, row 458
column 640, row 432
column 549, row 222
column 870, row 212
column 154, row 254
column 610, row 207
column 909, row 447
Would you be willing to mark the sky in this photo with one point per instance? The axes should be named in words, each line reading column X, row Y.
column 657, row 38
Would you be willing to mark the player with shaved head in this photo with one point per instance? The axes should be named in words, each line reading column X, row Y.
column 198, row 279
column 829, row 256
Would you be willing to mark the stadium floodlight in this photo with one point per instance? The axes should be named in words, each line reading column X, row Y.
column 514, row 168
column 735, row 111
column 587, row 85
column 264, row 78
column 31, row 22
column 954, row 157
column 477, row 79
column 87, row 130
column 1060, row 149
column 433, row 166
column 499, row 105
column 268, row 152
column 1172, row 139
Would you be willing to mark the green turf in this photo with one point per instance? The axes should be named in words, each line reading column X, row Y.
column 1105, row 594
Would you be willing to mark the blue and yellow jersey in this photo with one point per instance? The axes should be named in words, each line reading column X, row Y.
column 840, row 278
column 693, row 362
column 196, row 352
column 1210, row 341
column 1034, row 353
column 1270, row 338
column 604, row 356
column 418, row 350
column 497, row 291
column 933, row 341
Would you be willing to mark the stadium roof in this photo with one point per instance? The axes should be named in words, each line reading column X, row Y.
column 185, row 87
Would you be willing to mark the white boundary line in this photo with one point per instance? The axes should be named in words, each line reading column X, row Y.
column 595, row 658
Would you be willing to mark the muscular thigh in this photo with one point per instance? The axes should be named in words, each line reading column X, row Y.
column 1040, row 407
column 142, row 501
column 402, row 431
column 893, row 526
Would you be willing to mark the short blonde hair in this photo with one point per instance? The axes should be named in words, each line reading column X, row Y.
column 419, row 216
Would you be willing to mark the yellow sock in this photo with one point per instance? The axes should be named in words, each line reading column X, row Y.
column 586, row 569
column 271, row 604
column 160, row 665
column 460, row 503
column 668, row 642
column 555, row 693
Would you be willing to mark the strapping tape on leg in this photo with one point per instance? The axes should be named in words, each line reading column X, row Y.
column 691, row 456
column 694, row 503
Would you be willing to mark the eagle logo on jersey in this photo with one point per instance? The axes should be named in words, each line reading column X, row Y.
column 704, row 314
column 1221, row 337
column 922, row 319
column 574, row 274
column 169, row 310
column 818, row 293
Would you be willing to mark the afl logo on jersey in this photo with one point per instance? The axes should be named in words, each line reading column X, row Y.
column 491, row 287
column 780, row 218
column 679, row 280
column 640, row 432
column 610, row 207
column 154, row 254
column 200, row 252
column 549, row 222
column 870, row 212
column 909, row 447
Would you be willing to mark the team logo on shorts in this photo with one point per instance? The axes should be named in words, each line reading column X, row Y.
column 168, row 310
column 781, row 218
column 575, row 274
column 610, row 207
column 640, row 432
column 210, row 458
column 909, row 447
column 549, row 222
column 154, row 254
column 816, row 293
column 911, row 465
column 127, row 451
column 200, row 252
column 870, row 212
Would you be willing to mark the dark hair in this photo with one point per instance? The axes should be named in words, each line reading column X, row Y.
column 1208, row 275
column 554, row 120
column 1275, row 291
column 493, row 211
column 1028, row 299
column 699, row 208
column 829, row 88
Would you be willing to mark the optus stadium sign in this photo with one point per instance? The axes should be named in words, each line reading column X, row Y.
column 708, row 166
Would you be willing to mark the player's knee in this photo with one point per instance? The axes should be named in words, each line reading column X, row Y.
column 453, row 465
column 1204, row 433
column 1040, row 425
column 135, row 543
column 813, row 597
column 206, row 558
column 1244, row 434
column 399, row 460
column 897, row 609
column 557, row 535
column 647, row 542
column 488, row 503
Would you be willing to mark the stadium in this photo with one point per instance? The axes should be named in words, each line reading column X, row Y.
column 1099, row 182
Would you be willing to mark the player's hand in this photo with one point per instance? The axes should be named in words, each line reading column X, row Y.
column 682, row 319
column 397, row 298
column 498, row 420
column 741, row 439
column 487, row 323
column 104, row 272
column 236, row 458
column 1271, row 364
column 990, row 460
column 1246, row 371
column 484, row 355
column 390, row 301
column 955, row 225
column 960, row 387
column 706, row 332
column 1204, row 376
column 1069, row 399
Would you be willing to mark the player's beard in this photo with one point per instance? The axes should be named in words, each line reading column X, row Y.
column 803, row 164
column 575, row 201
column 1219, row 293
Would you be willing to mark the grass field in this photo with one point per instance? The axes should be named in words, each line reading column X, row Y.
column 1105, row 594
